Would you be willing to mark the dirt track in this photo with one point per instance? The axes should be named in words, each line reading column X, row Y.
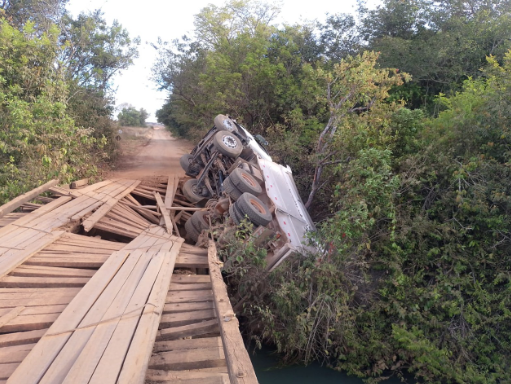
column 160, row 157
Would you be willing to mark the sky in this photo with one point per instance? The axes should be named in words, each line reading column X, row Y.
column 169, row 20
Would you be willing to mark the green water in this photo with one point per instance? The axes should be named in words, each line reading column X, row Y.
column 268, row 372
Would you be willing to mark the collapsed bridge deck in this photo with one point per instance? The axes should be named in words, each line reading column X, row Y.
column 94, row 290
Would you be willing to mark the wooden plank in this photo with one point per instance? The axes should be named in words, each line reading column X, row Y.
column 69, row 262
column 130, row 300
column 165, row 213
column 185, row 318
column 176, row 345
column 184, row 261
column 12, row 259
column 105, row 208
column 238, row 361
column 29, row 322
column 109, row 305
column 39, row 310
column 79, row 183
column 171, row 191
column 187, row 307
column 12, row 314
column 18, row 201
column 6, row 370
column 191, row 279
column 188, row 359
column 20, row 338
column 196, row 329
column 137, row 359
column 15, row 353
column 154, row 375
column 37, row 362
column 190, row 287
column 189, row 296
column 42, row 282
column 41, row 271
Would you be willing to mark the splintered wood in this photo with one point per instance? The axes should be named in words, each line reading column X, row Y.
column 88, row 291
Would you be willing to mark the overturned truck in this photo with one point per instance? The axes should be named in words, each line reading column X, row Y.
column 234, row 178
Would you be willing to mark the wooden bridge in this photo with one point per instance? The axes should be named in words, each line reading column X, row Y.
column 94, row 290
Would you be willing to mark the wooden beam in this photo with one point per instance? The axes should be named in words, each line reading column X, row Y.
column 105, row 208
column 18, row 201
column 241, row 370
column 165, row 213
column 79, row 183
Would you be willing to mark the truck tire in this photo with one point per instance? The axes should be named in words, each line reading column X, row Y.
column 254, row 171
column 200, row 221
column 191, row 232
column 191, row 192
column 185, row 162
column 245, row 182
column 227, row 144
column 257, row 212
column 231, row 190
column 233, row 215
column 223, row 123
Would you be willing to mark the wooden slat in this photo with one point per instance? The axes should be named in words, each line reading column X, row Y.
column 185, row 318
column 189, row 296
column 29, row 322
column 197, row 375
column 14, row 258
column 197, row 329
column 188, row 359
column 190, row 287
column 137, row 359
column 18, row 201
column 79, row 183
column 184, row 261
column 238, row 361
column 171, row 191
column 165, row 213
column 42, row 282
column 187, row 307
column 105, row 208
column 176, row 345
column 20, row 338
column 41, row 271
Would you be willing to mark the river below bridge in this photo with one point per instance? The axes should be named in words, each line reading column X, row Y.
column 268, row 371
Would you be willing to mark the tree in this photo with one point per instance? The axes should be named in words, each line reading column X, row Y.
column 129, row 116
column 355, row 90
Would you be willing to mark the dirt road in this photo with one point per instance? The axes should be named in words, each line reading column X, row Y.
column 160, row 157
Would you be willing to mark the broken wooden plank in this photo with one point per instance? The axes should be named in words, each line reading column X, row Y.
column 165, row 213
column 18, row 201
column 196, row 329
column 105, row 208
column 79, row 183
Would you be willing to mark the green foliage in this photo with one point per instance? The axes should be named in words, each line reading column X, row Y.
column 38, row 140
column 131, row 117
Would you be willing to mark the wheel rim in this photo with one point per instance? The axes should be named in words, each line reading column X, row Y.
column 229, row 141
column 257, row 205
column 248, row 179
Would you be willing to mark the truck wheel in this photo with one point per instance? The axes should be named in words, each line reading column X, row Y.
column 245, row 182
column 254, row 171
column 231, row 190
column 223, row 123
column 233, row 215
column 200, row 221
column 227, row 144
column 191, row 232
column 257, row 212
column 185, row 161
column 191, row 192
